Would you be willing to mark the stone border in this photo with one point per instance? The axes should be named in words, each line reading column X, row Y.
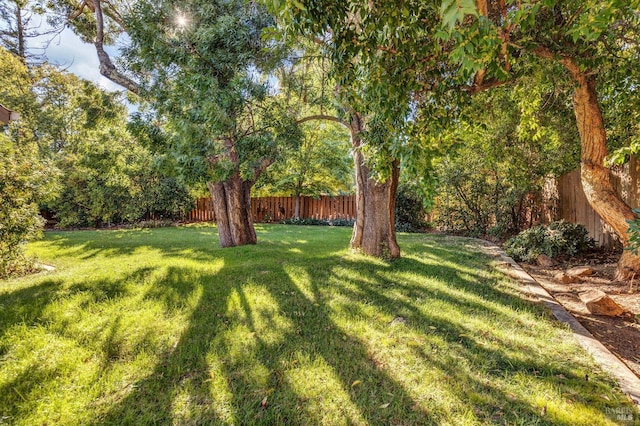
column 628, row 381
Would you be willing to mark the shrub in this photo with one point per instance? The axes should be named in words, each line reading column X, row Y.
column 410, row 210
column 341, row 222
column 317, row 222
column 634, row 232
column 557, row 240
column 405, row 227
column 303, row 221
column 24, row 179
column 154, row 223
column 93, row 198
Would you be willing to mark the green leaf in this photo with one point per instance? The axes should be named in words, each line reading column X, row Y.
column 299, row 5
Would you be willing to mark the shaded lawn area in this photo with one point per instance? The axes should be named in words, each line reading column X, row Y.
column 162, row 326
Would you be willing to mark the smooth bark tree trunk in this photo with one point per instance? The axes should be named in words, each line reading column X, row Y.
column 296, row 212
column 374, row 229
column 232, row 207
column 22, row 48
column 595, row 177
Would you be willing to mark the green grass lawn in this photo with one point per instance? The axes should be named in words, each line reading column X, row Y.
column 161, row 326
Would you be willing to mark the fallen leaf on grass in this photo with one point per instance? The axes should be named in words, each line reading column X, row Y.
column 356, row 383
column 385, row 405
column 263, row 404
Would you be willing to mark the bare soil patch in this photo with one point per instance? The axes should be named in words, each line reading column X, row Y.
column 620, row 335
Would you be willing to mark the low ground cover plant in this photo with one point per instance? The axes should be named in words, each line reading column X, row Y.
column 557, row 240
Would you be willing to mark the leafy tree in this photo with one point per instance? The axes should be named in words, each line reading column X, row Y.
column 25, row 179
column 595, row 44
column 501, row 148
column 21, row 21
column 204, row 69
column 321, row 165
column 210, row 81
column 197, row 46
column 106, row 176
column 374, row 112
column 418, row 50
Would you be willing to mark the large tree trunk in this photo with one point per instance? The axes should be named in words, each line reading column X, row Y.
column 296, row 212
column 232, row 207
column 596, row 178
column 374, row 229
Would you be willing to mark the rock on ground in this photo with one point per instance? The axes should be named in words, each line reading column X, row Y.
column 598, row 303
column 566, row 278
column 580, row 271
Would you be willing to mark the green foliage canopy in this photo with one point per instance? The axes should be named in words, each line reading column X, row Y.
column 321, row 165
column 206, row 71
column 25, row 179
column 104, row 174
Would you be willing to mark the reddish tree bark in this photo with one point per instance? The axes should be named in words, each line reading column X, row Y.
column 232, row 206
column 595, row 177
column 374, row 229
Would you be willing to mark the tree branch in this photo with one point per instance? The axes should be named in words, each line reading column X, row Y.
column 107, row 68
column 568, row 62
column 481, row 85
column 264, row 163
column 81, row 8
column 321, row 117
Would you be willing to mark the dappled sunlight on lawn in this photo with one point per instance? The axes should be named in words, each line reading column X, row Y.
column 169, row 328
column 319, row 397
column 300, row 277
column 253, row 308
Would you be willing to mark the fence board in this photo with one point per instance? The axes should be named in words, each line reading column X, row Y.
column 274, row 209
column 572, row 205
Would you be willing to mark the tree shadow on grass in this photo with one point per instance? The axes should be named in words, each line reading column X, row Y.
column 310, row 339
column 254, row 366
column 47, row 331
column 474, row 351
column 243, row 362
column 26, row 304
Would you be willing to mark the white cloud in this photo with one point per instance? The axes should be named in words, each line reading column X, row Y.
column 72, row 54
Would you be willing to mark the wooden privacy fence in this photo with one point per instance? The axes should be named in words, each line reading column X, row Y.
column 572, row 205
column 274, row 209
column 203, row 212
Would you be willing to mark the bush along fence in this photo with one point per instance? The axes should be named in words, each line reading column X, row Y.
column 276, row 209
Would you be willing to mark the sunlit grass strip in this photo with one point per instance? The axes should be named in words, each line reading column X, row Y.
column 161, row 326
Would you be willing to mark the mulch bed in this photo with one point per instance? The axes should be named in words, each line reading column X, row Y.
column 621, row 336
